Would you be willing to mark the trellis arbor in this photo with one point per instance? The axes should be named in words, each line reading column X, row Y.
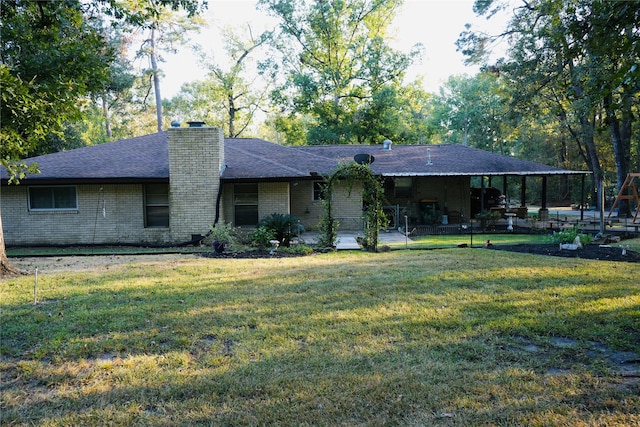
column 372, row 200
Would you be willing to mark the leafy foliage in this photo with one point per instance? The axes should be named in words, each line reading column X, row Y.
column 569, row 236
column 472, row 111
column 283, row 227
column 576, row 63
column 335, row 59
column 51, row 56
column 261, row 237
column 225, row 233
column 488, row 219
column 228, row 97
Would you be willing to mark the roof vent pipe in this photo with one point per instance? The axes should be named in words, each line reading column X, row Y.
column 196, row 124
column 386, row 144
column 175, row 124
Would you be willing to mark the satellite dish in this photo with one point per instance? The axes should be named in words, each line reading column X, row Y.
column 364, row 159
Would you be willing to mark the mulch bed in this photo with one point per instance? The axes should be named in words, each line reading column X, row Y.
column 591, row 251
column 249, row 254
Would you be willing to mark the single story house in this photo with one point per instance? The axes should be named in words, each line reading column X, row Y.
column 170, row 187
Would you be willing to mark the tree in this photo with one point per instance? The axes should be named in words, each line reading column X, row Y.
column 334, row 57
column 118, row 86
column 237, row 93
column 226, row 98
column 52, row 54
column 579, row 58
column 163, row 29
column 472, row 111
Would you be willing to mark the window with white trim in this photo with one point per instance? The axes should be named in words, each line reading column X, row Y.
column 54, row 198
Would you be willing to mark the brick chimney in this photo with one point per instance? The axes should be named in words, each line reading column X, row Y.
column 196, row 160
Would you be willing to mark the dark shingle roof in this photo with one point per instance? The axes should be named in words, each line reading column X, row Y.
column 145, row 159
column 435, row 160
column 257, row 158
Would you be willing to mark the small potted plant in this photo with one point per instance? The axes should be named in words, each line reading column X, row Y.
column 222, row 235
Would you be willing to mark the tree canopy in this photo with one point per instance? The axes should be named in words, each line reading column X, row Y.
column 577, row 59
column 337, row 64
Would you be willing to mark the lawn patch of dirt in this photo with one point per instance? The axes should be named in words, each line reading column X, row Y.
column 592, row 251
column 53, row 264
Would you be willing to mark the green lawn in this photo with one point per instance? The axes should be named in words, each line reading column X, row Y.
column 450, row 337
column 453, row 240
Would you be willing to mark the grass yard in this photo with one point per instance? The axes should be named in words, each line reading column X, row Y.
column 479, row 239
column 458, row 337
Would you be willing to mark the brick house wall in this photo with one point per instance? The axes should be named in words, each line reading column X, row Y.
column 307, row 210
column 106, row 214
column 273, row 197
column 347, row 207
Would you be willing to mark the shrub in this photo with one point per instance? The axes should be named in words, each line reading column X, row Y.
column 224, row 233
column 488, row 219
column 569, row 235
column 284, row 226
column 261, row 237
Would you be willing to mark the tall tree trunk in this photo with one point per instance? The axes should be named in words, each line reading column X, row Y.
column 232, row 115
column 621, row 136
column 156, row 79
column 587, row 127
column 107, row 115
column 564, row 156
column 5, row 267
column 587, row 131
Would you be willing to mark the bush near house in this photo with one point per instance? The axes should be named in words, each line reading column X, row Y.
column 569, row 235
column 225, row 234
column 283, row 226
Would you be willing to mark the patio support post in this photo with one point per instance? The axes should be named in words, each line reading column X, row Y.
column 504, row 187
column 543, row 213
column 523, row 192
column 582, row 199
column 482, row 193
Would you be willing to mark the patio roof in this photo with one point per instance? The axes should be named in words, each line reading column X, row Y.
column 437, row 160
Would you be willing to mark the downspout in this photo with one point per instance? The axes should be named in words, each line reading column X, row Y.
column 218, row 199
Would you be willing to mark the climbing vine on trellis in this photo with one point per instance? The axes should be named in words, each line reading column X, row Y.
column 372, row 198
